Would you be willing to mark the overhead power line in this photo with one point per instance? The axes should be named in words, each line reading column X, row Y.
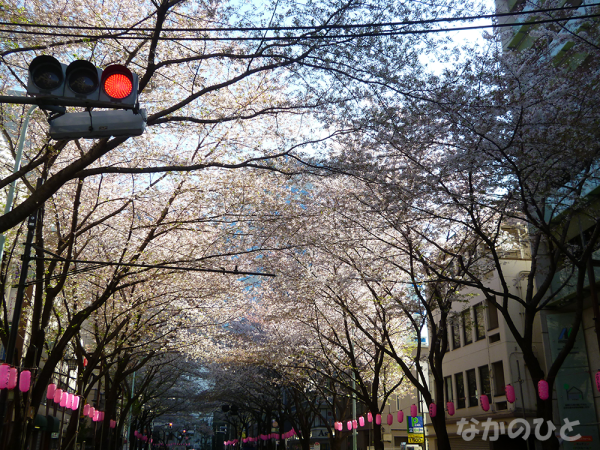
column 303, row 36
column 307, row 27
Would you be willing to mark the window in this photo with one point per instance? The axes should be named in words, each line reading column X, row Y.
column 501, row 406
column 479, row 322
column 472, row 387
column 460, row 390
column 484, row 379
column 492, row 313
column 455, row 336
column 467, row 326
column 494, row 338
column 448, row 389
column 498, row 373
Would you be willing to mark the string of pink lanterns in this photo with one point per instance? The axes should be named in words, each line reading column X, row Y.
column 264, row 437
column 10, row 377
column 142, row 436
column 71, row 401
column 483, row 399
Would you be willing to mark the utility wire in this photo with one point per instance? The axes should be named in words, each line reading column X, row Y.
column 307, row 28
column 305, row 36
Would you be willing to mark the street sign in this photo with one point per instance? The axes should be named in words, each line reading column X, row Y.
column 415, row 424
column 416, row 439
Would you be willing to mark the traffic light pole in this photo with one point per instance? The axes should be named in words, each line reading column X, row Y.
column 13, row 185
column 16, row 319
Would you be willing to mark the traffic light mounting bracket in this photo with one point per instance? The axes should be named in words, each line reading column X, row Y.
column 57, row 104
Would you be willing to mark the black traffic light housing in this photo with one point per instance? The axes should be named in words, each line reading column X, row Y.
column 46, row 76
column 82, row 84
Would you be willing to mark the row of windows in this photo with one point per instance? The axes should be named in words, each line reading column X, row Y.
column 473, row 325
column 470, row 396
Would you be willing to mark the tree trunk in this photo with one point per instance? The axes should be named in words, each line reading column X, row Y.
column 377, row 437
column 441, row 432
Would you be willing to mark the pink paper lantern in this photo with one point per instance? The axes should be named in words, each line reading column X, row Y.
column 86, row 410
column 450, row 406
column 361, row 421
column 336, row 426
column 25, row 381
column 4, row 374
column 113, row 423
column 69, row 403
column 354, row 424
column 543, row 389
column 378, row 419
column 349, row 425
column 12, row 377
column 369, row 417
column 413, row 410
column 57, row 395
column 50, row 391
column 510, row 393
column 390, row 419
column 400, row 416
column 598, row 380
column 63, row 399
column 91, row 412
column 485, row 402
column 432, row 409
column 75, row 403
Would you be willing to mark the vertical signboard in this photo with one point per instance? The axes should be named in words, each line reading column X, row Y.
column 415, row 430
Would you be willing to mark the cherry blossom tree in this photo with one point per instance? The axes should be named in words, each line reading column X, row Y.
column 504, row 140
column 202, row 75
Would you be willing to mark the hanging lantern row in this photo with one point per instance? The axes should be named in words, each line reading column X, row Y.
column 483, row 399
column 9, row 376
column 71, row 401
column 266, row 437
column 141, row 436
column 64, row 399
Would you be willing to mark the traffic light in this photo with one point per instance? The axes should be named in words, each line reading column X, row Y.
column 170, row 425
column 82, row 84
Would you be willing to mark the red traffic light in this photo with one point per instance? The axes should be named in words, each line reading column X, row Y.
column 117, row 81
